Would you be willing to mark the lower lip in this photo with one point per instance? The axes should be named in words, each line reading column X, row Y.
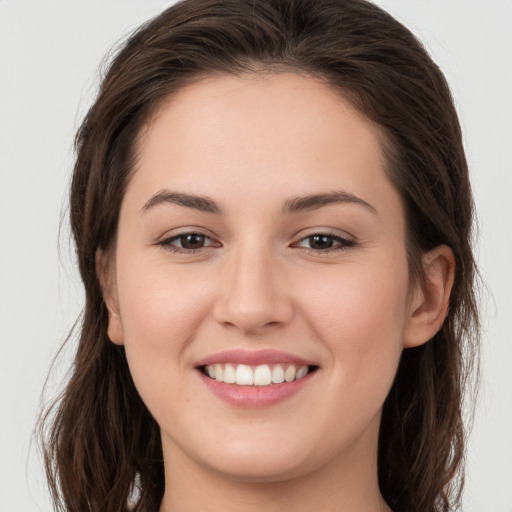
column 255, row 396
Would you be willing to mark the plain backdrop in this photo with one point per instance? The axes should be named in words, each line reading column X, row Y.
column 50, row 52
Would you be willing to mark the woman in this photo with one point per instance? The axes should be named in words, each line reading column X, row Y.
column 273, row 217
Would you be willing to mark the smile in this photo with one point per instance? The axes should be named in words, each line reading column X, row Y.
column 260, row 375
column 254, row 379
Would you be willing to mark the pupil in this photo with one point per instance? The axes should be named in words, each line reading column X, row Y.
column 192, row 241
column 320, row 242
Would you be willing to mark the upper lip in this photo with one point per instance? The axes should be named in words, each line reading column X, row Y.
column 253, row 358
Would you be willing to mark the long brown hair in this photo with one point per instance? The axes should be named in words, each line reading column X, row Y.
column 102, row 447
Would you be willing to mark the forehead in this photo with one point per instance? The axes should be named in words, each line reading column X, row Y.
column 266, row 135
column 287, row 106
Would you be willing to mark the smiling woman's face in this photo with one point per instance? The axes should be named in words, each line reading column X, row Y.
column 260, row 239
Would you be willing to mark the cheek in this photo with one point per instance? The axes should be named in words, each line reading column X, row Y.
column 158, row 305
column 360, row 314
column 358, row 297
column 160, row 318
column 160, row 312
column 360, row 318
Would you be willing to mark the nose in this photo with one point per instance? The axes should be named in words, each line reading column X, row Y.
column 253, row 296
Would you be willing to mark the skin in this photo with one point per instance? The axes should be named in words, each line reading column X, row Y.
column 252, row 144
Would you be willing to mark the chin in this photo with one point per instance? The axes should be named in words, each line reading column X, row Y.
column 253, row 459
column 262, row 469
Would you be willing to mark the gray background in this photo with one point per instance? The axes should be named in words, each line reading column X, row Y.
column 49, row 60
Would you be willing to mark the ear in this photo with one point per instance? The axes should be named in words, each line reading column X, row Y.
column 106, row 277
column 430, row 297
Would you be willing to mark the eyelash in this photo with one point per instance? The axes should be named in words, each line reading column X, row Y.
column 167, row 243
column 340, row 242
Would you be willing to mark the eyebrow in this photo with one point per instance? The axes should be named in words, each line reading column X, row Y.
column 293, row 205
column 315, row 201
column 203, row 204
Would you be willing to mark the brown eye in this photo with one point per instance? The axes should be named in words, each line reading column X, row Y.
column 192, row 241
column 188, row 242
column 323, row 242
column 319, row 242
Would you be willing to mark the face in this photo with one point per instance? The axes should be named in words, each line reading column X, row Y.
column 261, row 282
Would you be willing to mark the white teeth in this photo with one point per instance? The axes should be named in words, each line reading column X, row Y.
column 261, row 375
column 301, row 372
column 289, row 374
column 229, row 374
column 219, row 372
column 278, row 374
column 244, row 375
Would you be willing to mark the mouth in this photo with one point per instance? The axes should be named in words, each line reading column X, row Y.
column 261, row 375
column 254, row 379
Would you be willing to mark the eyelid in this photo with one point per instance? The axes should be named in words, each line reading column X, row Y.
column 166, row 241
column 345, row 241
column 184, row 231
